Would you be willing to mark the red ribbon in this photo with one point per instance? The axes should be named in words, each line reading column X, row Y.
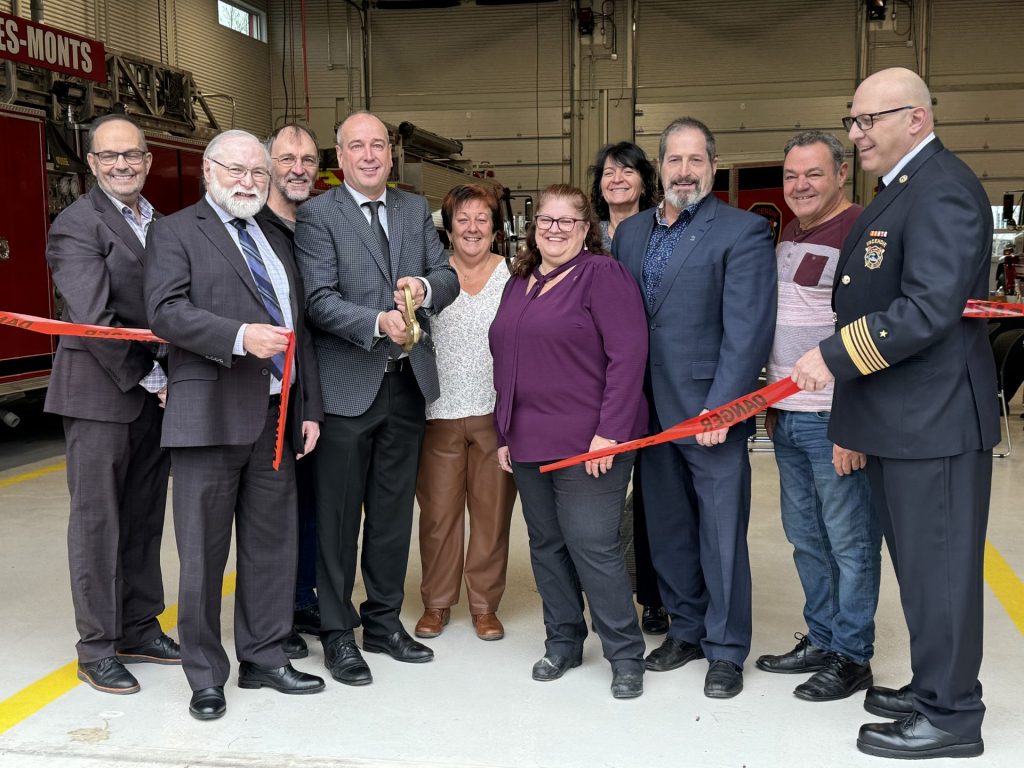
column 744, row 407
column 60, row 328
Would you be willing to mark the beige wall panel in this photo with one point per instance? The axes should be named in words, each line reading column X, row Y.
column 136, row 27
column 977, row 42
column 754, row 114
column 225, row 62
column 691, row 45
column 516, row 152
column 481, row 124
column 79, row 16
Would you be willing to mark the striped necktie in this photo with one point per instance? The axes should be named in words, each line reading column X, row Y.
column 263, row 284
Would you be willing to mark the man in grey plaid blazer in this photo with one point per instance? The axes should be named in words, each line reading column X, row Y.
column 358, row 246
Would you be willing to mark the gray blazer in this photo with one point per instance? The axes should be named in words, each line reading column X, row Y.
column 713, row 321
column 349, row 280
column 97, row 265
column 199, row 291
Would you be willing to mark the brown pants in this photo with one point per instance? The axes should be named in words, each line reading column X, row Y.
column 459, row 469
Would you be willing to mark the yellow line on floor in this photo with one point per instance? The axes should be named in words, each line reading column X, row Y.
column 39, row 694
column 9, row 481
column 1006, row 585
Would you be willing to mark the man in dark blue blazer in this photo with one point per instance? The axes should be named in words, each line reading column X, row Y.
column 916, row 391
column 707, row 272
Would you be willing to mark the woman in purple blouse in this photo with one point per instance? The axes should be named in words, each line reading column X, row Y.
column 569, row 343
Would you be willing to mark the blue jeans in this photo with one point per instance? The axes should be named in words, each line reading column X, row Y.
column 836, row 536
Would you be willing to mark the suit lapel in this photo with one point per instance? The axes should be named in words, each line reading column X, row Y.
column 395, row 231
column 354, row 215
column 115, row 220
column 211, row 226
column 694, row 233
column 633, row 255
column 882, row 201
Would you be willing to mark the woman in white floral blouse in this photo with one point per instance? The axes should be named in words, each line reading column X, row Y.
column 459, row 465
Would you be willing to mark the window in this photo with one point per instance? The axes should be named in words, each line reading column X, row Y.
column 242, row 18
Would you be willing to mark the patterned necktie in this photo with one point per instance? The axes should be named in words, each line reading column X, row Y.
column 263, row 284
column 378, row 228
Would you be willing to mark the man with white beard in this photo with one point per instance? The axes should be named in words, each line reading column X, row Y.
column 223, row 290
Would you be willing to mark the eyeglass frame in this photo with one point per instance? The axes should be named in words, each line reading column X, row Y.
column 314, row 162
column 233, row 171
column 560, row 219
column 849, row 121
column 116, row 155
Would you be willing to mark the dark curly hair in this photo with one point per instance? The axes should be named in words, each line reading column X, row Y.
column 629, row 155
column 529, row 256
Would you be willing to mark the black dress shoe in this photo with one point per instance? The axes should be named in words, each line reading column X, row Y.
column 914, row 737
column 672, row 654
column 108, row 675
column 840, row 679
column 286, row 679
column 803, row 658
column 654, row 620
column 552, row 666
column 307, row 620
column 208, row 703
column 161, row 650
column 345, row 663
column 723, row 680
column 294, row 646
column 627, row 683
column 885, row 702
column 399, row 646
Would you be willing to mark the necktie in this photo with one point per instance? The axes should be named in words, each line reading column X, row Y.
column 263, row 284
column 378, row 229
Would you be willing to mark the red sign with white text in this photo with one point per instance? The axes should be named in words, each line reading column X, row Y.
column 26, row 42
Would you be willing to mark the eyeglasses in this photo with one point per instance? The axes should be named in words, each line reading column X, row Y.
column 132, row 157
column 565, row 223
column 867, row 120
column 259, row 175
column 308, row 161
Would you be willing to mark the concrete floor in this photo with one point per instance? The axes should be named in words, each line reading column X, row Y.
column 475, row 705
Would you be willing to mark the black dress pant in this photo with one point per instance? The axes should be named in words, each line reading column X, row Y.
column 117, row 478
column 573, row 523
column 934, row 514
column 647, row 593
column 366, row 470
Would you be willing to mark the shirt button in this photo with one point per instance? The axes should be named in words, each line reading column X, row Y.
column 653, row 326
column 846, row 279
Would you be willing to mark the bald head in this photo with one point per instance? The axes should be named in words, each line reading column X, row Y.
column 901, row 109
column 364, row 153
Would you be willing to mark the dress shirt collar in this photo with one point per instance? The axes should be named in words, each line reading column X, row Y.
column 360, row 198
column 887, row 179
column 226, row 217
column 145, row 208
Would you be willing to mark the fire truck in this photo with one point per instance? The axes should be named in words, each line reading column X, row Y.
column 47, row 98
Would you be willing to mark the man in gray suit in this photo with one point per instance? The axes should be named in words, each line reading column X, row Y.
column 107, row 393
column 358, row 247
column 707, row 272
column 222, row 290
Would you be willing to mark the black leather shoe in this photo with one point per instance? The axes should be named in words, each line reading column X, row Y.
column 885, row 702
column 307, row 620
column 399, row 646
column 161, row 650
column 654, row 620
column 672, row 654
column 914, row 737
column 803, row 658
column 208, row 703
column 294, row 646
column 627, row 683
column 108, row 675
column 345, row 663
column 552, row 666
column 286, row 679
column 723, row 680
column 840, row 679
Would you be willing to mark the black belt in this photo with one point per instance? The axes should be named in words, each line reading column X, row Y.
column 397, row 366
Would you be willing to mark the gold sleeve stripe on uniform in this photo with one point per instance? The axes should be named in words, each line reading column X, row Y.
column 862, row 336
column 851, row 349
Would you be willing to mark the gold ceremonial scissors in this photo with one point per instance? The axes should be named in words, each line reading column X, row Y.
column 412, row 325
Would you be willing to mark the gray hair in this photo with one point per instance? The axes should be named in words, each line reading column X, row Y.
column 294, row 128
column 807, row 138
column 109, row 119
column 684, row 123
column 234, row 133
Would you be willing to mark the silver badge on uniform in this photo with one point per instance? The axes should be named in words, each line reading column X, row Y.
column 874, row 253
